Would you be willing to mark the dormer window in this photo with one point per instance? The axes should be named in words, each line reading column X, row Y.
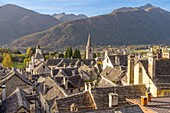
column 73, row 107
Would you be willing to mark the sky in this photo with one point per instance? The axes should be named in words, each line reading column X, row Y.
column 87, row 7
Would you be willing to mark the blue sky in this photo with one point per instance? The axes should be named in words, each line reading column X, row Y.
column 88, row 7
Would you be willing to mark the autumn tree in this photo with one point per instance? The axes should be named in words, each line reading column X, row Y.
column 7, row 61
column 28, row 53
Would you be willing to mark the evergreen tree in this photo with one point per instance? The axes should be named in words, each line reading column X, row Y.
column 7, row 62
column 60, row 55
column 76, row 54
column 68, row 53
column 94, row 55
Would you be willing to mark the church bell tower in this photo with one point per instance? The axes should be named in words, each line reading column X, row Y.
column 89, row 51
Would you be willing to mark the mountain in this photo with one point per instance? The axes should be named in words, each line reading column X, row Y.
column 16, row 21
column 139, row 25
column 63, row 17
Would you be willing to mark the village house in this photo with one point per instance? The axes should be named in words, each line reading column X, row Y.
column 14, row 79
column 20, row 102
column 114, row 60
column 97, row 99
column 112, row 76
column 48, row 90
column 152, row 72
column 36, row 59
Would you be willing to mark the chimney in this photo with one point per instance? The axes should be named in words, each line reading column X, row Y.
column 70, row 64
column 52, row 73
column 148, row 95
column 3, row 92
column 64, row 65
column 44, row 87
column 130, row 69
column 87, row 86
column 73, row 72
column 113, row 100
column 151, row 66
column 65, row 82
column 82, row 63
column 144, row 101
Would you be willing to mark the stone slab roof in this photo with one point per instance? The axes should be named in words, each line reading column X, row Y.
column 38, row 56
column 53, row 62
column 76, row 81
column 82, row 100
column 113, row 74
column 122, row 59
column 124, row 109
column 15, row 101
column 158, row 104
column 101, row 95
column 12, row 73
column 53, row 90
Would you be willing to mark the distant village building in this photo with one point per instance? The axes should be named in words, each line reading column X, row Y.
column 115, row 61
column 36, row 59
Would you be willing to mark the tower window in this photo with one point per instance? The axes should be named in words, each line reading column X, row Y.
column 90, row 50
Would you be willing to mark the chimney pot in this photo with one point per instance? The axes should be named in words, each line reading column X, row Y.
column 144, row 101
column 3, row 92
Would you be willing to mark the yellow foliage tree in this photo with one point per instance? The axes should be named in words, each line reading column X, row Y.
column 7, row 62
column 28, row 52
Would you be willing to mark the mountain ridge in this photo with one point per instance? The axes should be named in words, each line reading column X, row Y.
column 138, row 25
column 17, row 21
column 63, row 17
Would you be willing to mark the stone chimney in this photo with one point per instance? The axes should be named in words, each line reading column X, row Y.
column 3, row 92
column 44, row 87
column 73, row 72
column 52, row 74
column 65, row 65
column 82, row 63
column 151, row 66
column 70, row 64
column 130, row 72
column 113, row 100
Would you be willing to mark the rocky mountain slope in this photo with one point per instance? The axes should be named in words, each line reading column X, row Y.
column 16, row 21
column 140, row 25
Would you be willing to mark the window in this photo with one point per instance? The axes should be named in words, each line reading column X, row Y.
column 140, row 70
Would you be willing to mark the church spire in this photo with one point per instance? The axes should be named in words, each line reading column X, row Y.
column 89, row 41
column 89, row 51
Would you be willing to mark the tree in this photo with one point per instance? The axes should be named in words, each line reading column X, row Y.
column 7, row 62
column 94, row 55
column 60, row 55
column 68, row 53
column 26, row 60
column 76, row 54
column 28, row 53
